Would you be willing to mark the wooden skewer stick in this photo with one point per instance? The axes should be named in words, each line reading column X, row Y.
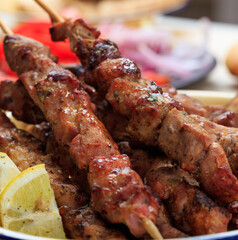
column 5, row 28
column 55, row 17
column 151, row 229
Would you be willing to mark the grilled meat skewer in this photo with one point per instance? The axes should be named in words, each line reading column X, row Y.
column 226, row 136
column 26, row 151
column 67, row 107
column 191, row 210
column 148, row 107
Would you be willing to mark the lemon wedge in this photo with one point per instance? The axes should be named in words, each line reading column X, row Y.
column 8, row 170
column 27, row 205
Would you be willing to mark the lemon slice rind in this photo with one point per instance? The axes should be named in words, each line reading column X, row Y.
column 27, row 205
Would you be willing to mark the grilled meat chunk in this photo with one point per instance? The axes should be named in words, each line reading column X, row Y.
column 117, row 192
column 83, row 223
column 148, row 108
column 26, row 151
column 67, row 107
column 61, row 98
column 226, row 136
column 183, row 140
column 192, row 211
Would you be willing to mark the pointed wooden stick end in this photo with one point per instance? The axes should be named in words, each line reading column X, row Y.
column 5, row 28
column 151, row 229
column 55, row 17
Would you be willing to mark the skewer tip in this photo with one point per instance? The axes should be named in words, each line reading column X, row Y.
column 55, row 17
column 5, row 28
column 151, row 229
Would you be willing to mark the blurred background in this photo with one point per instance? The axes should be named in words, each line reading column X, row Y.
column 186, row 43
column 216, row 10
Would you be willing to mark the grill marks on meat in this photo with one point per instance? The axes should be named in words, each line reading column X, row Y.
column 61, row 98
column 192, row 211
column 15, row 98
column 118, row 193
column 183, row 140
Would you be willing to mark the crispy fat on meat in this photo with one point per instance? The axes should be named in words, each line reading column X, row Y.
column 183, row 140
column 192, row 211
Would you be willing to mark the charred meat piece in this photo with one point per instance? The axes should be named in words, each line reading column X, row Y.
column 15, row 98
column 192, row 211
column 119, row 78
column 224, row 115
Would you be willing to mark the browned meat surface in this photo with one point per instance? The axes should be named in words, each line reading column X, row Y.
column 115, row 123
column 226, row 136
column 65, row 104
column 183, row 140
column 68, row 109
column 142, row 101
column 223, row 115
column 191, row 105
column 26, row 151
column 147, row 108
column 140, row 159
column 14, row 98
column 192, row 211
column 85, row 224
column 119, row 194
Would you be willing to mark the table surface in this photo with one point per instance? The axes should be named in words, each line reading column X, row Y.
column 221, row 38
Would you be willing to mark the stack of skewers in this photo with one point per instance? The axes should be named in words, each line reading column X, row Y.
column 181, row 177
